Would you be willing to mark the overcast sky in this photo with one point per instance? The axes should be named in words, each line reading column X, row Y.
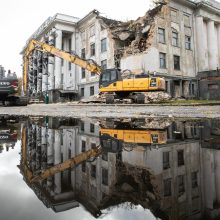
column 20, row 18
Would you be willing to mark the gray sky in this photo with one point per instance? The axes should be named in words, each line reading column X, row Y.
column 19, row 19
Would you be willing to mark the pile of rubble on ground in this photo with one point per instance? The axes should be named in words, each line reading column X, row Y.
column 156, row 97
column 99, row 98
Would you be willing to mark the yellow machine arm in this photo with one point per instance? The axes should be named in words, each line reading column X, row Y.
column 36, row 45
column 62, row 166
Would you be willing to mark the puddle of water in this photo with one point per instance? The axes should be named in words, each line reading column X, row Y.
column 55, row 168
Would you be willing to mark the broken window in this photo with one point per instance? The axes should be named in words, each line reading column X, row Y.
column 92, row 50
column 181, row 184
column 166, row 160
column 180, row 158
column 104, row 64
column 92, row 30
column 92, row 90
column 176, row 62
column 82, row 92
column 103, row 45
column 162, row 60
column 188, row 42
column 194, row 179
column 161, row 35
column 167, row 187
column 93, row 171
column 83, row 72
column 92, row 128
column 83, row 53
column 175, row 39
column 104, row 176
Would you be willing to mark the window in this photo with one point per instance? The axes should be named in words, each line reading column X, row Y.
column 187, row 20
column 82, row 126
column 161, row 35
column 83, row 53
column 105, row 156
column 167, row 187
column 93, row 171
column 104, row 176
column 181, row 185
column 174, row 15
column 84, row 167
column 93, row 145
column 92, row 128
column 83, row 72
column 83, row 146
column 162, row 60
column 93, row 74
column 188, row 42
column 92, row 30
column 180, row 157
column 82, row 92
column 70, row 44
column 166, row 160
column 213, row 86
column 70, row 65
column 92, row 92
column 193, row 89
column 103, row 45
column 176, row 62
column 83, row 36
column 175, row 39
column 104, row 64
column 92, row 49
column 194, row 179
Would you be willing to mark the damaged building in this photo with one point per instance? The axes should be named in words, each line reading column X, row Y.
column 177, row 40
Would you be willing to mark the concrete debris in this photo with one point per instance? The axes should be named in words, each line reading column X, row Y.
column 136, row 36
column 99, row 98
column 127, row 187
column 155, row 97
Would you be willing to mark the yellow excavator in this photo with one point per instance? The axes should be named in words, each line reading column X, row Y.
column 111, row 81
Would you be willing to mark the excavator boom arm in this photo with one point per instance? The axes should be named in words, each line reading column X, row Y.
column 72, row 58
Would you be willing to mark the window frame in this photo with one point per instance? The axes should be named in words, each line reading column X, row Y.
column 161, row 35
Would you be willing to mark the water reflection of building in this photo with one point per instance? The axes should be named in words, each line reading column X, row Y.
column 184, row 172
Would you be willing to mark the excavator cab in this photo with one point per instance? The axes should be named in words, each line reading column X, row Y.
column 109, row 76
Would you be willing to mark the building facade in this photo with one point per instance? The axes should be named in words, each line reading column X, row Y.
column 183, row 47
column 61, row 80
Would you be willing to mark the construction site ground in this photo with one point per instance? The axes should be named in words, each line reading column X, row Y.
column 113, row 111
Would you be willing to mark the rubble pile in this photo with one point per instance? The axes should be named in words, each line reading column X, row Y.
column 136, row 36
column 156, row 97
column 99, row 98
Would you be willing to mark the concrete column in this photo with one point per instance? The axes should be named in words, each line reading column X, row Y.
column 218, row 35
column 50, row 137
column 217, row 174
column 73, row 69
column 212, row 45
column 50, row 69
column 57, row 70
column 44, row 73
column 57, row 160
column 200, row 38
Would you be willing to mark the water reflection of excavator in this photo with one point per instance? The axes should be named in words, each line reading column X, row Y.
column 111, row 140
column 8, row 135
column 111, row 81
